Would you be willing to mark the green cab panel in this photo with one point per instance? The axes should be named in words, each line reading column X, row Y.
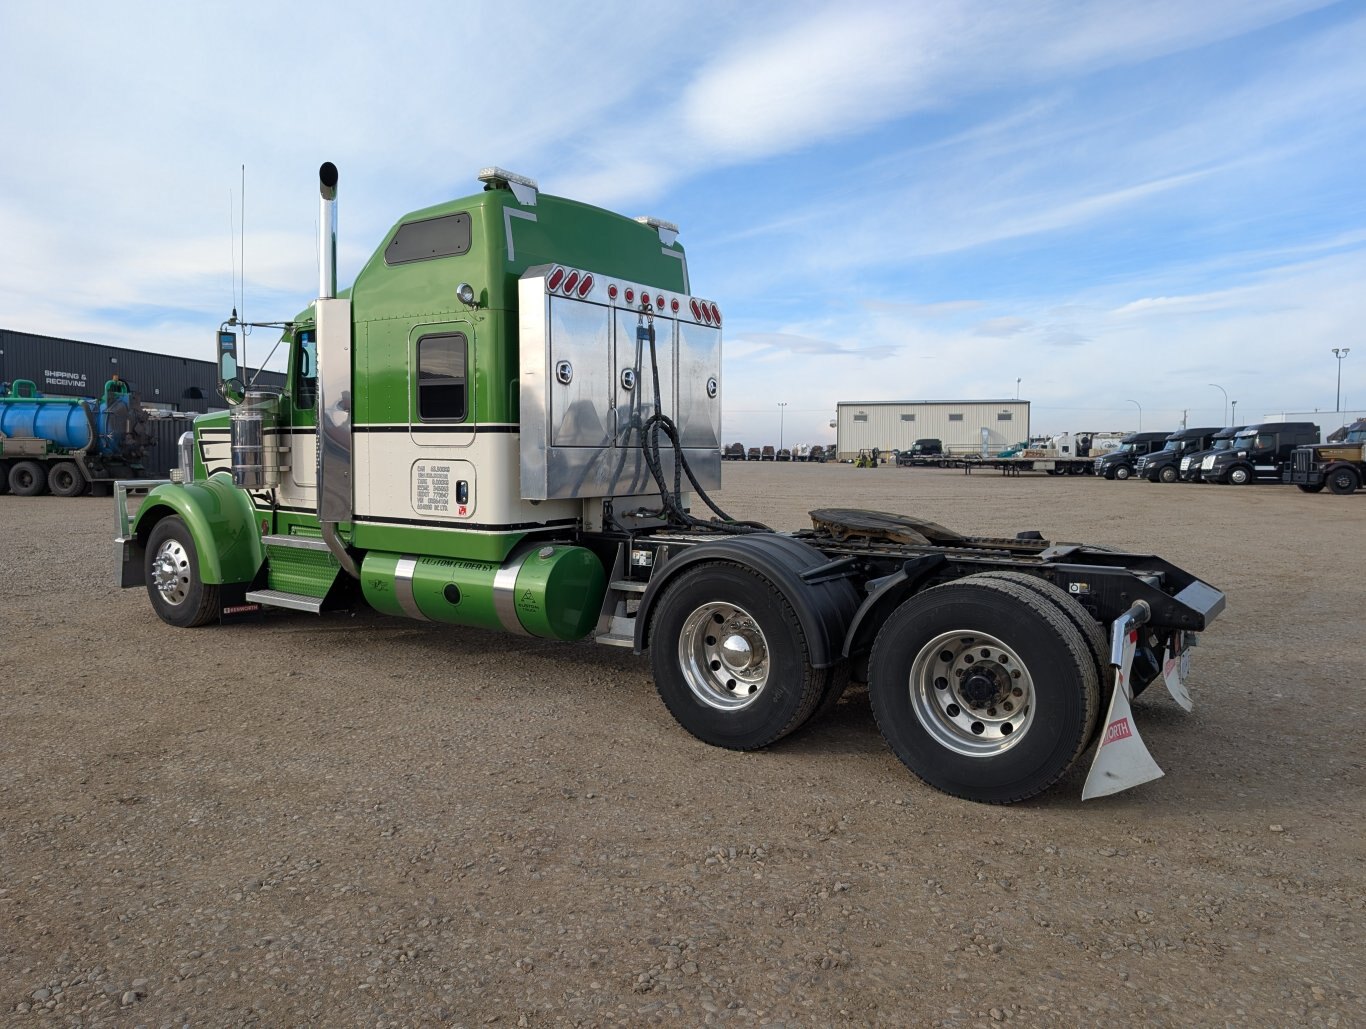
column 221, row 519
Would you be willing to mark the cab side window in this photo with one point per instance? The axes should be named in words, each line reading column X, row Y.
column 441, row 377
column 306, row 370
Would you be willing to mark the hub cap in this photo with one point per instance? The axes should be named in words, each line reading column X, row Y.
column 171, row 572
column 724, row 656
column 972, row 693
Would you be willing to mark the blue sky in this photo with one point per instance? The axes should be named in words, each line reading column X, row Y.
column 1115, row 203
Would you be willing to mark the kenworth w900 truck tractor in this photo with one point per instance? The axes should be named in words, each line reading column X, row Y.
column 511, row 420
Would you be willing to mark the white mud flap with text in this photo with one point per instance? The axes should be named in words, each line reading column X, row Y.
column 1122, row 759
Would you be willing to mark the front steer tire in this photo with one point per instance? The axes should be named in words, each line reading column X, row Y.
column 730, row 660
column 179, row 595
column 1012, row 653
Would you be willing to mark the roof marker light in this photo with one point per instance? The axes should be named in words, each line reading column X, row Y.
column 586, row 285
column 630, row 295
column 716, row 314
column 706, row 313
column 668, row 231
column 554, row 279
column 696, row 309
column 571, row 282
column 524, row 189
column 659, row 301
column 612, row 291
column 673, row 305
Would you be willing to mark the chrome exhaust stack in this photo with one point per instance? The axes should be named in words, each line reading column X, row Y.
column 327, row 230
column 333, row 316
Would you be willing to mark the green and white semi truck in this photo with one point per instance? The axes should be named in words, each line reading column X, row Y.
column 494, row 428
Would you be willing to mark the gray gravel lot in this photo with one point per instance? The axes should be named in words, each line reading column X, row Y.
column 352, row 820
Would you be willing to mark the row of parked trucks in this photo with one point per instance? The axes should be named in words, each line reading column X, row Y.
column 815, row 452
column 1288, row 452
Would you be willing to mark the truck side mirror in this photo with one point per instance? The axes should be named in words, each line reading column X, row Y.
column 230, row 386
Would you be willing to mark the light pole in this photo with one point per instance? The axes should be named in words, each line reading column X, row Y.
column 1017, row 389
column 781, row 413
column 1225, row 393
column 1340, row 353
column 1235, row 410
column 1140, row 412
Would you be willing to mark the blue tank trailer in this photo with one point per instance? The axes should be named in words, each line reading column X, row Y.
column 70, row 446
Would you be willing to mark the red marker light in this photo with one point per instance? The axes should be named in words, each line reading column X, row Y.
column 612, row 291
column 716, row 314
column 673, row 305
column 586, row 285
column 659, row 301
column 556, row 277
column 630, row 295
column 696, row 309
column 571, row 282
column 706, row 313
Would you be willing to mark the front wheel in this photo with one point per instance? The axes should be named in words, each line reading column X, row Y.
column 1240, row 476
column 178, row 593
column 730, row 659
column 1343, row 481
column 1123, row 472
column 984, row 689
column 1168, row 474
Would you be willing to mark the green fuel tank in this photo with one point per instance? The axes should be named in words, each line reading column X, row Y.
column 553, row 591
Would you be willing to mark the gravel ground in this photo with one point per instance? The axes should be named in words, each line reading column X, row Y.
column 351, row 820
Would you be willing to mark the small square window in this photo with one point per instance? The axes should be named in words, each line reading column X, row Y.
column 860, row 417
column 441, row 377
column 908, row 417
column 955, row 417
column 1004, row 416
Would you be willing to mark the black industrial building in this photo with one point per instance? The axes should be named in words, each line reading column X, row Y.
column 71, row 368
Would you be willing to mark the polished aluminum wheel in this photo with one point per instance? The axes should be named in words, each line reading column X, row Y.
column 724, row 656
column 972, row 693
column 171, row 572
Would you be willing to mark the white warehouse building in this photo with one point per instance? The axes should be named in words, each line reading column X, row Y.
column 963, row 426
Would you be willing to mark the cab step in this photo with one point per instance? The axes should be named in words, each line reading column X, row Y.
column 292, row 601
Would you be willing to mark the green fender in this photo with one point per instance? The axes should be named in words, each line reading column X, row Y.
column 221, row 519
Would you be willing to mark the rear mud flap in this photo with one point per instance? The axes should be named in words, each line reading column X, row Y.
column 1122, row 759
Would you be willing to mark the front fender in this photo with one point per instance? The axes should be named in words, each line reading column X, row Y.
column 221, row 519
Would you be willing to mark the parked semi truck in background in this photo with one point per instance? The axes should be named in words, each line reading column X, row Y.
column 1340, row 466
column 69, row 445
column 492, row 428
column 1191, row 462
column 1258, row 453
column 1120, row 462
column 1165, row 465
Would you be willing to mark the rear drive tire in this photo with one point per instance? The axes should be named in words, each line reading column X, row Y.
column 64, row 479
column 730, row 660
column 984, row 689
column 1343, row 481
column 1088, row 627
column 27, row 479
column 179, row 595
